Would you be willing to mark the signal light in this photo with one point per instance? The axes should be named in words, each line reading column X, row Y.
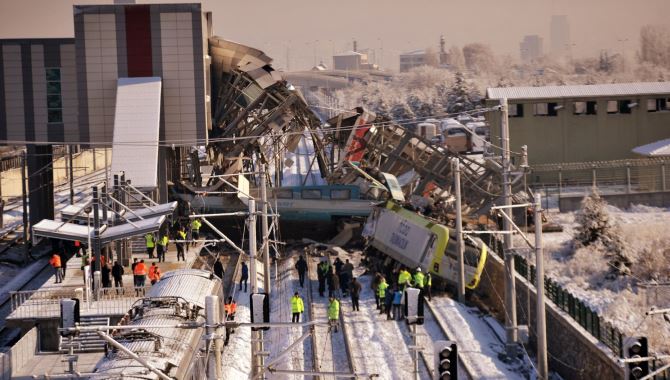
column 635, row 348
column 446, row 360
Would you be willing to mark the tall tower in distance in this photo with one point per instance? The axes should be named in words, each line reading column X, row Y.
column 560, row 36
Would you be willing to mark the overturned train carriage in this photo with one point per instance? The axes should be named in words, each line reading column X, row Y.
column 416, row 241
column 177, row 352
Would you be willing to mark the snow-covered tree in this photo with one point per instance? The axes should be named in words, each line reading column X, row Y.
column 596, row 229
column 461, row 97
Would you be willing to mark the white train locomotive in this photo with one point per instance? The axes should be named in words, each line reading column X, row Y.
column 416, row 241
column 177, row 299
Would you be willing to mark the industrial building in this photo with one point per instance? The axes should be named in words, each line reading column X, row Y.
column 412, row 59
column 530, row 48
column 64, row 91
column 582, row 123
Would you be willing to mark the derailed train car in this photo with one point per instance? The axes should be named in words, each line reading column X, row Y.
column 416, row 241
column 178, row 298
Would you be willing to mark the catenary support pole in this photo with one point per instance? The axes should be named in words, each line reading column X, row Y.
column 71, row 173
column 96, row 231
column 24, row 199
column 510, row 287
column 256, row 365
column 541, row 325
column 266, row 237
column 459, row 231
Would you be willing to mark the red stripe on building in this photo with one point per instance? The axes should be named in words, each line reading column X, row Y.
column 138, row 41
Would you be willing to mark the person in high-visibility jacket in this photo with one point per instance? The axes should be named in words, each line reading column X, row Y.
column 381, row 293
column 427, row 284
column 181, row 235
column 55, row 262
column 140, row 273
column 154, row 274
column 404, row 278
column 195, row 229
column 297, row 307
column 151, row 243
column 333, row 313
column 162, row 247
column 230, row 307
column 418, row 279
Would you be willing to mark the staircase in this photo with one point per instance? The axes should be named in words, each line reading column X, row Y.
column 87, row 341
column 137, row 244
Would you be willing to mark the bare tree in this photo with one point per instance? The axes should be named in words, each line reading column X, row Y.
column 479, row 57
column 655, row 45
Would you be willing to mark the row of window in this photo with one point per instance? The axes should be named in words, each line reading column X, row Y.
column 590, row 107
column 54, row 98
column 335, row 194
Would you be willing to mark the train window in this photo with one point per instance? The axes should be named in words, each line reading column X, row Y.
column 311, row 194
column 284, row 194
column 340, row 194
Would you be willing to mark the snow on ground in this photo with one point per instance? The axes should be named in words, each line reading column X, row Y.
column 478, row 343
column 277, row 339
column 329, row 347
column 646, row 233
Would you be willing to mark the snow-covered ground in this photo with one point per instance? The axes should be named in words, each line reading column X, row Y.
column 647, row 236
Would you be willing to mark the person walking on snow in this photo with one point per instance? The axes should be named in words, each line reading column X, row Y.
column 381, row 292
column 397, row 303
column 244, row 277
column 388, row 301
column 322, row 271
column 301, row 266
column 374, row 285
column 218, row 269
column 334, row 285
column 297, row 307
column 355, row 290
column 333, row 313
column 55, row 262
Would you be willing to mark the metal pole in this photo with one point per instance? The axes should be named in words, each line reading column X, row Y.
column 628, row 186
column 106, row 166
column 96, row 230
column 541, row 325
column 133, row 355
column 663, row 176
column 24, row 198
column 459, row 231
column 94, row 163
column 416, row 352
column 510, row 286
column 266, row 236
column 212, row 307
column 71, row 173
column 118, row 243
column 256, row 365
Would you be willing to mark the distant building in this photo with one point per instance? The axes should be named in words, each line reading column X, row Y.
column 583, row 123
column 560, row 35
column 412, row 59
column 530, row 48
column 349, row 60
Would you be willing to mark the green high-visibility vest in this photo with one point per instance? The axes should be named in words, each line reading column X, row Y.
column 150, row 240
column 334, row 310
column 297, row 306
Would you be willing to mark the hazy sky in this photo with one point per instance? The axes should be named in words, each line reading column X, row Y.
column 300, row 28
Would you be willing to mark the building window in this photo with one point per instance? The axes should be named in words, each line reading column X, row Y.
column 612, row 106
column 657, row 105
column 585, row 108
column 515, row 110
column 54, row 98
column 624, row 106
column 284, row 194
column 545, row 109
column 540, row 109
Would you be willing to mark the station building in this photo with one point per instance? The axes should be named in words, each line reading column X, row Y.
column 583, row 123
column 63, row 91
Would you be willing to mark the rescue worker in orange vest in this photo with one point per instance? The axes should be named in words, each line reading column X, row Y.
column 140, row 273
column 56, row 264
column 154, row 274
column 230, row 308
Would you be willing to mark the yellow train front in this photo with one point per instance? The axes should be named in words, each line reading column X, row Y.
column 416, row 241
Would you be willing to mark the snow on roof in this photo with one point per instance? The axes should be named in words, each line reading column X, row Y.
column 577, row 91
column 414, row 52
column 347, row 53
column 657, row 148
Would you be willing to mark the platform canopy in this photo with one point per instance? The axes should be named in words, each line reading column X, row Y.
column 69, row 231
column 655, row 149
column 69, row 212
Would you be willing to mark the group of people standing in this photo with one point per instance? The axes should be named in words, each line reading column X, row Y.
column 388, row 296
column 179, row 234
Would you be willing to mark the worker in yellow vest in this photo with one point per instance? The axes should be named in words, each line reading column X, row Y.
column 195, row 229
column 162, row 247
column 418, row 279
column 297, row 307
column 151, row 243
column 181, row 235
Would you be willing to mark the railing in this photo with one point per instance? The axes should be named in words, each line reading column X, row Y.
column 45, row 303
column 586, row 317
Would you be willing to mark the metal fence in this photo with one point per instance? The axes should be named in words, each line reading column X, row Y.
column 586, row 317
column 634, row 175
column 45, row 303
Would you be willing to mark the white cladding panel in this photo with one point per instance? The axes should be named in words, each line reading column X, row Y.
column 136, row 129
